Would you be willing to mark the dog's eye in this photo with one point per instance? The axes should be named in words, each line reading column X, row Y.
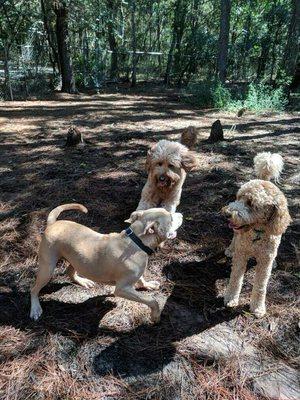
column 160, row 164
column 171, row 166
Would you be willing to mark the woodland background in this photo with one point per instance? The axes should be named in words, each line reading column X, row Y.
column 213, row 49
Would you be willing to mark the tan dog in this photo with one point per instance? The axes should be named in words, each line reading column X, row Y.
column 258, row 217
column 167, row 164
column 112, row 259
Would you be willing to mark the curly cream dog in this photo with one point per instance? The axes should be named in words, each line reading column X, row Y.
column 111, row 259
column 167, row 164
column 258, row 217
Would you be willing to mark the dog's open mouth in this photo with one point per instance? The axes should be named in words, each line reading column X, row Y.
column 163, row 181
column 236, row 227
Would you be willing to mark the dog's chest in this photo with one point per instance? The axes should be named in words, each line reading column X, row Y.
column 255, row 242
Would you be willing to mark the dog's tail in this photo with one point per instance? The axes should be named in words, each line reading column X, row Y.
column 52, row 217
column 268, row 166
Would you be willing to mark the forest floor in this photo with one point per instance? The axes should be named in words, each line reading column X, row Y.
column 90, row 345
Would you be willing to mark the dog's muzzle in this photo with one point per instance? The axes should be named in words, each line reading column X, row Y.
column 164, row 180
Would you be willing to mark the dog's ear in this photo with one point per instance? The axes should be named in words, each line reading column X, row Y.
column 149, row 228
column 279, row 218
column 134, row 216
column 149, row 159
column 189, row 161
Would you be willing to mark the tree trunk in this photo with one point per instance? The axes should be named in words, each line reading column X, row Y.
column 133, row 43
column 262, row 61
column 66, row 69
column 223, row 39
column 176, row 40
column 296, row 79
column 170, row 59
column 114, row 70
column 292, row 48
column 6, row 72
column 53, row 55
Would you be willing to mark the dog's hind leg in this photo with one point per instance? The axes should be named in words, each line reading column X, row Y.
column 124, row 289
column 87, row 283
column 263, row 271
column 47, row 263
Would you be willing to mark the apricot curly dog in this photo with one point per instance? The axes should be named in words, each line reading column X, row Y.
column 167, row 165
column 258, row 217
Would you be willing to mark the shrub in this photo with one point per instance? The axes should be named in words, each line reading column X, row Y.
column 207, row 94
column 258, row 98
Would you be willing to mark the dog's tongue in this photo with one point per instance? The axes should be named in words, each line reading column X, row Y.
column 162, row 183
column 172, row 235
column 232, row 225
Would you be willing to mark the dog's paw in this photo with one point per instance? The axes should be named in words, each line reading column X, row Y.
column 86, row 283
column 151, row 285
column 231, row 302
column 155, row 312
column 259, row 312
column 35, row 312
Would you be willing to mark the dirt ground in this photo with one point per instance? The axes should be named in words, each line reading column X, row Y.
column 88, row 344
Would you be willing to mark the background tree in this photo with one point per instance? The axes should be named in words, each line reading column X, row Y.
column 223, row 39
column 91, row 42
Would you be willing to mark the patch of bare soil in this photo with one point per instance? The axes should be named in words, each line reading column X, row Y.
column 90, row 345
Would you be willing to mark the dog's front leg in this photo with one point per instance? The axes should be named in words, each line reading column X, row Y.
column 150, row 285
column 230, row 249
column 126, row 291
column 239, row 264
column 259, row 290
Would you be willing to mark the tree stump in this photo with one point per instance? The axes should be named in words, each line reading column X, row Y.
column 189, row 137
column 241, row 112
column 74, row 137
column 216, row 133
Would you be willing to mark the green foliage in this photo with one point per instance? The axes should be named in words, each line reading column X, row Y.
column 258, row 98
column 207, row 94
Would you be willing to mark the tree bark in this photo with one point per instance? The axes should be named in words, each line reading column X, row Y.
column 6, row 72
column 176, row 40
column 133, row 43
column 223, row 39
column 66, row 69
column 113, row 45
column 53, row 55
column 292, row 48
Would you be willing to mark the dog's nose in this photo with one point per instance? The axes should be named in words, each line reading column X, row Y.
column 162, row 178
column 227, row 213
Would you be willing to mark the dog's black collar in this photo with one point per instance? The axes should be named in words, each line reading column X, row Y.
column 129, row 232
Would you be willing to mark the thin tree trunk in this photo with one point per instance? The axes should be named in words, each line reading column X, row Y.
column 292, row 47
column 262, row 61
column 6, row 72
column 133, row 43
column 114, row 69
column 53, row 55
column 170, row 59
column 175, row 40
column 223, row 39
column 68, row 82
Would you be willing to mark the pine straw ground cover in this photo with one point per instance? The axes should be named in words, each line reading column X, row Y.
column 88, row 344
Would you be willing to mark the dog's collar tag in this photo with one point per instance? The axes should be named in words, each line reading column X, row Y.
column 129, row 232
column 258, row 234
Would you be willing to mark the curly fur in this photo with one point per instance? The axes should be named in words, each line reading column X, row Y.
column 167, row 164
column 260, row 209
column 268, row 166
